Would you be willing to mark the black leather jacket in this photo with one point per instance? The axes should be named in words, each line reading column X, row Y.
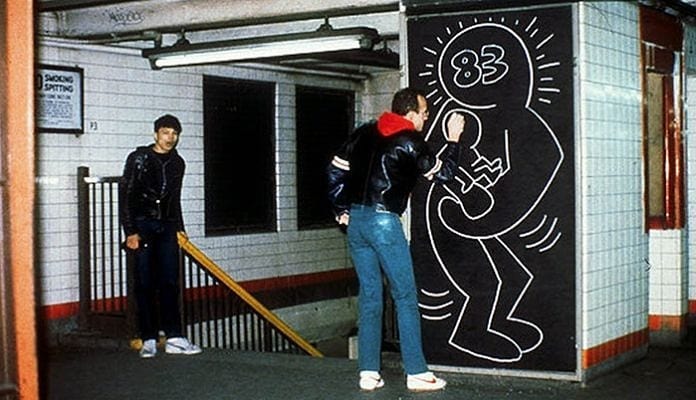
column 381, row 171
column 151, row 188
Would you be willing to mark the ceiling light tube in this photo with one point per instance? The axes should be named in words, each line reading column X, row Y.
column 321, row 41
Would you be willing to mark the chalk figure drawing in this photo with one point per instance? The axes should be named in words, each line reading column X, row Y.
column 492, row 74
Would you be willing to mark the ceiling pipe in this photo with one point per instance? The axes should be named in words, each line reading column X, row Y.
column 121, row 18
column 65, row 5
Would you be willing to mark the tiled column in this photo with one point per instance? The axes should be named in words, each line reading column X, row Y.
column 668, row 301
column 690, row 145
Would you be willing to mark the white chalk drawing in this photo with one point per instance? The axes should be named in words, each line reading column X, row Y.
column 496, row 73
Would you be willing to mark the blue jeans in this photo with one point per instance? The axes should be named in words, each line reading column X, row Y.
column 377, row 244
column 156, row 271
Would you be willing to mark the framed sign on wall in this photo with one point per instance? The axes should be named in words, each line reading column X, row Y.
column 59, row 97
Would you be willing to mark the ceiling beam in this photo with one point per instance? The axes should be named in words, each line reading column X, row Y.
column 132, row 17
column 681, row 6
column 62, row 5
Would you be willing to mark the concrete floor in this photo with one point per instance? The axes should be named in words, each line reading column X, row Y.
column 665, row 374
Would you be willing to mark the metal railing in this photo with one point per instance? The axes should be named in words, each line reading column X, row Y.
column 104, row 276
column 216, row 310
column 220, row 313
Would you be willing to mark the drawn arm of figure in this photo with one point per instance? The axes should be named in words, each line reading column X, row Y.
column 469, row 191
column 516, row 167
column 474, row 200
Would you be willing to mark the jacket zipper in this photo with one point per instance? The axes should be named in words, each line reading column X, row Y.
column 163, row 187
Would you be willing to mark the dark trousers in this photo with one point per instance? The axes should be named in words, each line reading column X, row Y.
column 156, row 272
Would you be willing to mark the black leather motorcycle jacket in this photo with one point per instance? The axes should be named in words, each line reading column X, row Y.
column 151, row 188
column 380, row 170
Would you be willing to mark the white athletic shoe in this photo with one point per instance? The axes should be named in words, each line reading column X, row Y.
column 149, row 348
column 424, row 382
column 181, row 345
column 370, row 380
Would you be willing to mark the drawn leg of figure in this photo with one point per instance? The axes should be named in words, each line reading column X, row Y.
column 480, row 285
column 515, row 279
column 473, row 277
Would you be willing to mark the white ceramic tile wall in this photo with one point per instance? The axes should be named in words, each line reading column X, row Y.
column 667, row 273
column 122, row 98
column 613, row 245
column 379, row 92
column 690, row 145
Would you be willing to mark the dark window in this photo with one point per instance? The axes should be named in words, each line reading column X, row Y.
column 324, row 118
column 239, row 162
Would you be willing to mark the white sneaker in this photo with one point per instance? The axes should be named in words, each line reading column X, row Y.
column 181, row 345
column 149, row 349
column 424, row 382
column 370, row 380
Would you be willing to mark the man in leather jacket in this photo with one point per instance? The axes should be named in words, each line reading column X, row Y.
column 150, row 213
column 370, row 180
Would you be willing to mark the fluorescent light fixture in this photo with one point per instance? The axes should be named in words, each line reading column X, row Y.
column 265, row 47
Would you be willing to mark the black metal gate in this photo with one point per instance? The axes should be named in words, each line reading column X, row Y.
column 104, row 274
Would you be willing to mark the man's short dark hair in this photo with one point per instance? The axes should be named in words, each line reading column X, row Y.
column 406, row 100
column 168, row 121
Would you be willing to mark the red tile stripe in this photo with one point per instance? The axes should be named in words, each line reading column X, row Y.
column 673, row 323
column 66, row 310
column 284, row 282
column 59, row 311
column 613, row 348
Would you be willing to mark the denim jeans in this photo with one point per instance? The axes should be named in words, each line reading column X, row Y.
column 157, row 272
column 377, row 244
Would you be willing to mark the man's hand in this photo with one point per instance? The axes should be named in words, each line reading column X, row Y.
column 455, row 127
column 343, row 219
column 133, row 241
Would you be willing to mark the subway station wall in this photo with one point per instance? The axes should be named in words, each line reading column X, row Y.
column 122, row 97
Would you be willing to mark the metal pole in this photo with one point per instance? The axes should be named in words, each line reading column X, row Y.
column 84, row 246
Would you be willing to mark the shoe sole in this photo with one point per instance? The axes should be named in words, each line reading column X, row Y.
column 427, row 389
column 184, row 352
column 372, row 389
column 379, row 384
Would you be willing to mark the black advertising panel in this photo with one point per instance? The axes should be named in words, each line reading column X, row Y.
column 494, row 250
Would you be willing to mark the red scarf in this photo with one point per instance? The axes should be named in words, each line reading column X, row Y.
column 390, row 123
